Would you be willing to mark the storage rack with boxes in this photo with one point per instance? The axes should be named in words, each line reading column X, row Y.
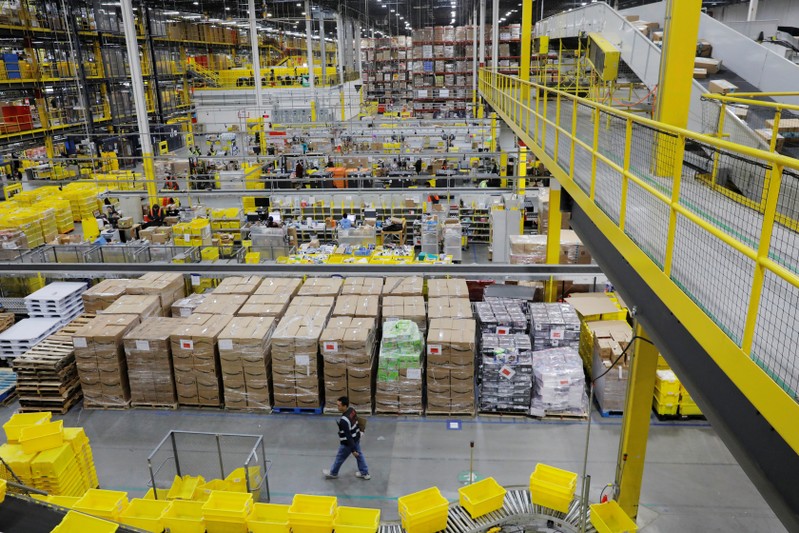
column 386, row 71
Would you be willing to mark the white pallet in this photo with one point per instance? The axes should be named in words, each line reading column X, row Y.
column 26, row 334
column 56, row 292
column 52, row 311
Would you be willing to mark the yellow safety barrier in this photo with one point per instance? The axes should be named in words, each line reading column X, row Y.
column 679, row 234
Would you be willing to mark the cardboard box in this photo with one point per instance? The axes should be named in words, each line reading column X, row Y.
column 405, row 307
column 700, row 73
column 704, row 48
column 407, row 286
column 286, row 286
column 447, row 287
column 712, row 66
column 449, row 307
column 362, row 286
column 100, row 359
column 357, row 306
column 144, row 306
column 766, row 134
column 186, row 306
column 245, row 361
column 169, row 287
column 265, row 305
column 238, row 285
column 721, row 87
column 103, row 294
column 195, row 358
column 148, row 353
column 221, row 304
column 321, row 287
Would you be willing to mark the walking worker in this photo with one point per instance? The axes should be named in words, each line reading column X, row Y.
column 349, row 436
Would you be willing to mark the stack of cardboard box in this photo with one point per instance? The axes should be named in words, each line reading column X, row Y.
column 502, row 316
column 364, row 286
column 450, row 366
column 398, row 388
column 405, row 307
column 357, row 305
column 104, row 294
column 271, row 298
column 148, row 352
column 610, row 339
column 296, row 372
column 321, row 287
column 437, row 288
column 168, row 287
column 221, row 304
column 100, row 359
column 245, row 359
column 408, row 286
column 238, row 285
column 558, row 383
column 348, row 346
column 186, row 306
column 195, row 358
column 145, row 306
column 449, row 307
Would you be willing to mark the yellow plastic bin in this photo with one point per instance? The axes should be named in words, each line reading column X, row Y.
column 184, row 516
column 312, row 514
column 63, row 501
column 269, row 518
column 356, row 520
column 40, row 437
column 145, row 514
column 22, row 420
column 184, row 488
column 103, row 503
column 609, row 517
column 80, row 523
column 424, row 511
column 204, row 491
column 483, row 497
column 552, row 487
column 237, row 480
column 152, row 493
column 2, row 490
column 223, row 505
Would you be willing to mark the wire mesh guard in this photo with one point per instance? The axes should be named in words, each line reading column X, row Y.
column 213, row 456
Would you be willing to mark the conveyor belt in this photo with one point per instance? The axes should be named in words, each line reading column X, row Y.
column 518, row 510
column 19, row 514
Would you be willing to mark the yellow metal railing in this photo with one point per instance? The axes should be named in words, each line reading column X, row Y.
column 727, row 272
column 771, row 131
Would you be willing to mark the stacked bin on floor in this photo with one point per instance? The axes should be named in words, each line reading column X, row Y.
column 145, row 514
column 269, row 518
column 227, row 512
column 312, row 514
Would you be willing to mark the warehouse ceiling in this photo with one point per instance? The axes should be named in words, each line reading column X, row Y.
column 383, row 17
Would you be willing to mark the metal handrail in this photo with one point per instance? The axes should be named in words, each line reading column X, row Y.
column 524, row 106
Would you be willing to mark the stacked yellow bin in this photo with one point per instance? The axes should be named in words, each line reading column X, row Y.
column 25, row 220
column 227, row 512
column 82, row 196
column 688, row 406
column 48, row 223
column 77, row 438
column 62, row 210
column 47, row 456
column 194, row 233
column 667, row 393
column 56, row 471
column 586, row 347
column 108, row 504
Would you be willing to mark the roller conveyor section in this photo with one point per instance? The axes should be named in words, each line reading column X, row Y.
column 518, row 510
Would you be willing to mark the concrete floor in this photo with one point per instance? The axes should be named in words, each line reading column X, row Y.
column 691, row 482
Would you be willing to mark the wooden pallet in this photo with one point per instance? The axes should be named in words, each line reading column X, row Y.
column 297, row 410
column 254, row 410
column 36, row 405
column 6, row 321
column 147, row 405
column 469, row 414
column 108, row 407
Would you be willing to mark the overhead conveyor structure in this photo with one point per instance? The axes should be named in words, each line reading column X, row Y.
column 713, row 281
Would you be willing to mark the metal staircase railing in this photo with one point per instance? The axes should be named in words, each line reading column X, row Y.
column 208, row 75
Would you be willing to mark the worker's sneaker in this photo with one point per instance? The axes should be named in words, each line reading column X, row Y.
column 328, row 475
column 367, row 477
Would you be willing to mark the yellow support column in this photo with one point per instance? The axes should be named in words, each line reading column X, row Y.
column 313, row 111
column 503, row 169
column 521, row 185
column 553, row 238
column 494, row 132
column 635, row 424
column 341, row 103
column 676, row 76
column 527, row 42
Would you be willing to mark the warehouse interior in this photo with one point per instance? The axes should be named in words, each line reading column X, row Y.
column 536, row 259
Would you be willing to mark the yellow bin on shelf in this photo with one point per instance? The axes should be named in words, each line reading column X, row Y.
column 75, row 522
column 103, row 503
column 42, row 436
column 184, row 516
column 482, row 497
column 424, row 511
column 552, row 487
column 609, row 517
column 356, row 520
column 22, row 420
column 312, row 514
column 269, row 518
column 145, row 514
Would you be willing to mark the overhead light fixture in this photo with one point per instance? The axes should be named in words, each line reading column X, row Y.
column 227, row 9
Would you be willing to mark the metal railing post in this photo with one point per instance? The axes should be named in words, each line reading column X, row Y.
column 679, row 150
